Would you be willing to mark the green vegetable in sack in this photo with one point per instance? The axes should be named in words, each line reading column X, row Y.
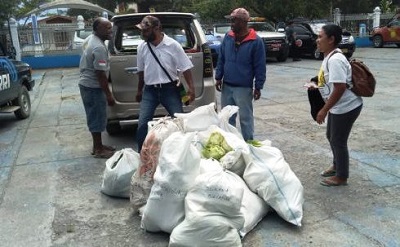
column 215, row 138
column 216, row 146
column 213, row 151
column 255, row 143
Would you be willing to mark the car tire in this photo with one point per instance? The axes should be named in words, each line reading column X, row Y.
column 282, row 57
column 24, row 102
column 113, row 128
column 377, row 41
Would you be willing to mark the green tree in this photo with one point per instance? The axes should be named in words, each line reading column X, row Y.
column 7, row 9
column 387, row 6
column 25, row 6
column 107, row 4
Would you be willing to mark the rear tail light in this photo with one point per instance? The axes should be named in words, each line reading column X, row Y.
column 207, row 64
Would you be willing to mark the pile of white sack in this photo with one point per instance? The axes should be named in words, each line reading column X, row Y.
column 204, row 201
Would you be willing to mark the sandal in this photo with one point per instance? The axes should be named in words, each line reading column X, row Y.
column 333, row 181
column 329, row 173
column 103, row 154
column 109, row 148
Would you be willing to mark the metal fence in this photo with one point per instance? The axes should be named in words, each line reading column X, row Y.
column 47, row 39
column 352, row 22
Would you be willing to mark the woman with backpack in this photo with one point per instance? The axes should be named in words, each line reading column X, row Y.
column 342, row 107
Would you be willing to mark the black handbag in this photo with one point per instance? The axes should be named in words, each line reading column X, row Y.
column 316, row 100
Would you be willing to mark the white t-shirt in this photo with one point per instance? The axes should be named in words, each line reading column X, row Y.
column 339, row 71
column 172, row 57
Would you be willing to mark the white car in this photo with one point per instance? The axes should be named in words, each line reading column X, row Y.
column 79, row 38
column 348, row 43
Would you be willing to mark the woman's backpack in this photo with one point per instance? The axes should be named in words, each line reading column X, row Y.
column 363, row 80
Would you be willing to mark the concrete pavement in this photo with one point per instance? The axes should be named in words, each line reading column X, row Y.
column 50, row 184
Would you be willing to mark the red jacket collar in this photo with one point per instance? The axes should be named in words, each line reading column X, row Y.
column 251, row 36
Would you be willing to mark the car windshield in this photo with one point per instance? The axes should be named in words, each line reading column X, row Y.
column 261, row 26
column 128, row 36
column 223, row 29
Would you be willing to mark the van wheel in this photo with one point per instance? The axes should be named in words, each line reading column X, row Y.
column 24, row 102
column 377, row 41
column 113, row 128
column 283, row 56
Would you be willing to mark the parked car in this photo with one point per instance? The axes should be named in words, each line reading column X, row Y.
column 220, row 29
column 308, row 46
column 79, row 38
column 15, row 82
column 388, row 34
column 183, row 27
column 276, row 43
column 214, row 44
column 348, row 43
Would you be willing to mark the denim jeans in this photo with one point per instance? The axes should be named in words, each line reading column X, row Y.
column 337, row 132
column 95, row 104
column 167, row 96
column 243, row 98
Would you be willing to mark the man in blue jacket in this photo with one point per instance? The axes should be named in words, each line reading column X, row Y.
column 241, row 70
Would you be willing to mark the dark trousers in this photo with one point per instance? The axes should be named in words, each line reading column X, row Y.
column 338, row 131
column 294, row 50
column 167, row 95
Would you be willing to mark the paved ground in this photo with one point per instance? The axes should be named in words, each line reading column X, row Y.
column 50, row 184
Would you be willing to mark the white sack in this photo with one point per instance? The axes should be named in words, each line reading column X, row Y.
column 269, row 175
column 254, row 209
column 224, row 115
column 143, row 179
column 118, row 172
column 234, row 161
column 178, row 167
column 212, row 212
column 207, row 165
column 200, row 118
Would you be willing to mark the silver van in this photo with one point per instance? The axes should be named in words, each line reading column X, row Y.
column 183, row 27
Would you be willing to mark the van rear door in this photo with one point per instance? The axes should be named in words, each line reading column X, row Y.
column 124, row 50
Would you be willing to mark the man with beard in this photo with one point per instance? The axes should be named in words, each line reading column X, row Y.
column 241, row 70
column 159, row 80
column 93, row 84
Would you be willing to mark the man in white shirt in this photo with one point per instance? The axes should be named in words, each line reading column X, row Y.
column 158, row 79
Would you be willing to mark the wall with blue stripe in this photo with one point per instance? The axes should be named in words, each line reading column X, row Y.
column 52, row 61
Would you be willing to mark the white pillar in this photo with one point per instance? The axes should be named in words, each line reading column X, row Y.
column 377, row 17
column 336, row 16
column 81, row 22
column 14, row 38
